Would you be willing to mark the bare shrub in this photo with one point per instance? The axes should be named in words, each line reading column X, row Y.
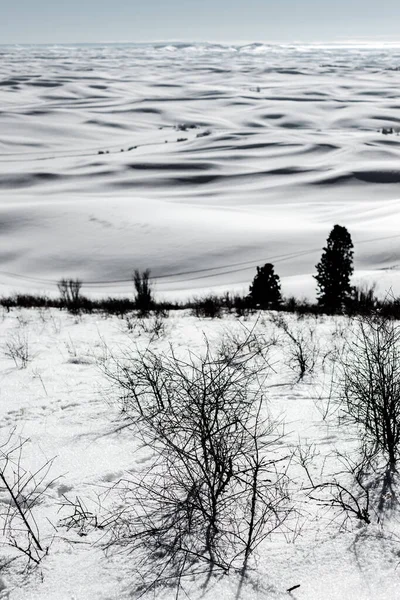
column 209, row 307
column 149, row 325
column 347, row 501
column 144, row 300
column 17, row 348
column 298, row 306
column 247, row 344
column 71, row 349
column 70, row 292
column 154, row 327
column 24, row 491
column 213, row 306
column 371, row 394
column 300, row 344
column 327, row 400
column 217, row 484
column 345, row 490
column 22, row 320
column 37, row 375
column 368, row 396
column 55, row 324
column 76, row 356
column 80, row 517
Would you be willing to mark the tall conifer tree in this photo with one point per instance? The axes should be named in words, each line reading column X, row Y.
column 335, row 270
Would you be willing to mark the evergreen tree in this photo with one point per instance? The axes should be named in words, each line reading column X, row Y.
column 335, row 270
column 265, row 291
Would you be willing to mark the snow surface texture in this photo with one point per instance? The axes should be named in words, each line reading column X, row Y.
column 278, row 143
column 61, row 402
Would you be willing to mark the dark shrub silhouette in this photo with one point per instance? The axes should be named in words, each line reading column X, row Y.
column 265, row 291
column 335, row 270
column 70, row 290
column 363, row 300
column 210, row 307
column 144, row 300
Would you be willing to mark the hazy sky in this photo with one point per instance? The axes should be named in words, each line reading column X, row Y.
column 43, row 21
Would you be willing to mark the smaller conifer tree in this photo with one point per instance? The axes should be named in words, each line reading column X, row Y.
column 265, row 291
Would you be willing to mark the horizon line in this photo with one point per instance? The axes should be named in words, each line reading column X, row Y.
column 335, row 41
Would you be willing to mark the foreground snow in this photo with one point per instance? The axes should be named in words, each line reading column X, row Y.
column 63, row 404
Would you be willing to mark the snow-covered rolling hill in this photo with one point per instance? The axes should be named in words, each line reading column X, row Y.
column 198, row 161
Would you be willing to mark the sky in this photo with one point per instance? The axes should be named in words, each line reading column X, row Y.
column 66, row 21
